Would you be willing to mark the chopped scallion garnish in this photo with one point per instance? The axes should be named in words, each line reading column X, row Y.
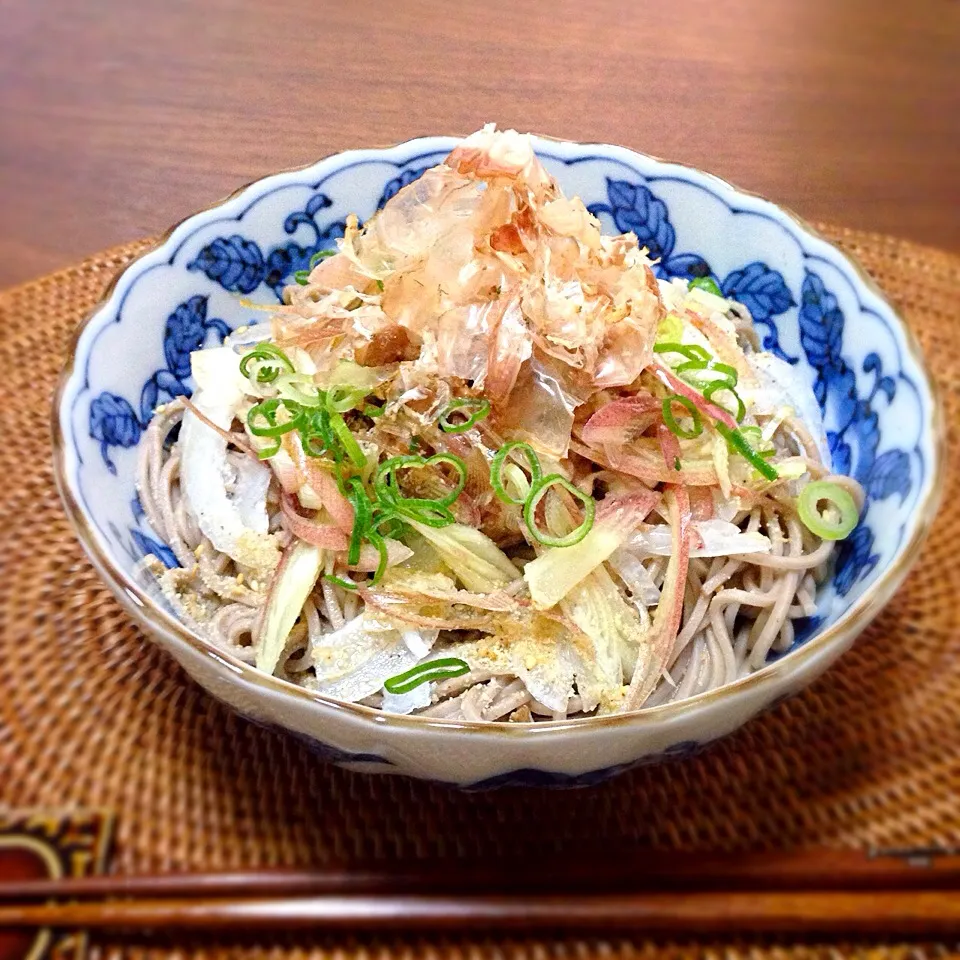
column 340, row 582
column 739, row 411
column 347, row 440
column 839, row 518
column 738, row 443
column 320, row 255
column 342, row 397
column 474, row 410
column 262, row 418
column 705, row 283
column 443, row 669
column 390, row 493
column 271, row 361
column 670, row 420
column 496, row 469
column 537, row 493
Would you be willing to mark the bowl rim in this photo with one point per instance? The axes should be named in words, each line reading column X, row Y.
column 144, row 609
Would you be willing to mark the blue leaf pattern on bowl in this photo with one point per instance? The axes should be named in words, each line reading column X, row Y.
column 240, row 266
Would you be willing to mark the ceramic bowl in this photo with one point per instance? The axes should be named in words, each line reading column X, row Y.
column 814, row 307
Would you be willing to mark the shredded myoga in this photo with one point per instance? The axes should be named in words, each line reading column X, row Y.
column 482, row 465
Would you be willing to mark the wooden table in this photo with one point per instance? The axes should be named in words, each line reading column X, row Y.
column 118, row 117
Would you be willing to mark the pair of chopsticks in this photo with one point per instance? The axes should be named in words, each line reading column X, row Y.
column 899, row 893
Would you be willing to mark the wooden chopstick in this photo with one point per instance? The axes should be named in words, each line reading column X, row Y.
column 815, row 891
column 816, row 870
column 872, row 914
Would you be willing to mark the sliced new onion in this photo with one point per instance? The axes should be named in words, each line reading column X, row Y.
column 295, row 579
column 205, row 470
column 477, row 561
column 557, row 570
column 718, row 538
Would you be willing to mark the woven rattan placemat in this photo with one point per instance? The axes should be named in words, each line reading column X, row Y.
column 92, row 715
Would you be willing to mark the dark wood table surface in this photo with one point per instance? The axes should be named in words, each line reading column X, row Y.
column 119, row 117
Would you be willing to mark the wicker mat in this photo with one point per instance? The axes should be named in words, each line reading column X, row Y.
column 92, row 715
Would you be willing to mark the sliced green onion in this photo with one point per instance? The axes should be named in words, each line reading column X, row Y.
column 381, row 548
column 428, row 512
column 340, row 582
column 729, row 373
column 371, row 411
column 754, row 436
column 389, row 517
column 474, row 410
column 443, row 669
column 267, row 411
column 697, row 357
column 711, row 388
column 537, row 493
column 269, row 451
column 738, row 443
column 347, row 440
column 302, row 277
column 271, row 360
column 291, row 386
column 821, row 523
column 343, row 397
column 380, row 285
column 320, row 255
column 362, row 514
column 317, row 437
column 670, row 328
column 676, row 464
column 705, row 283
column 496, row 469
column 671, row 422
column 387, row 469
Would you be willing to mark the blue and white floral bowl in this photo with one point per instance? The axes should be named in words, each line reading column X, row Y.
column 816, row 309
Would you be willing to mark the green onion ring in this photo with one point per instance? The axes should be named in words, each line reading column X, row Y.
column 729, row 373
column 497, row 464
column 381, row 548
column 816, row 522
column 711, row 388
column 362, row 514
column 290, row 387
column 738, row 443
column 692, row 351
column 272, row 360
column 342, row 397
column 340, row 582
column 427, row 512
column 754, row 436
column 383, row 489
column 267, row 410
column 347, row 440
column 321, row 255
column 272, row 450
column 671, row 422
column 480, row 408
column 537, row 492
column 443, row 669
column 302, row 277
column 705, row 283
